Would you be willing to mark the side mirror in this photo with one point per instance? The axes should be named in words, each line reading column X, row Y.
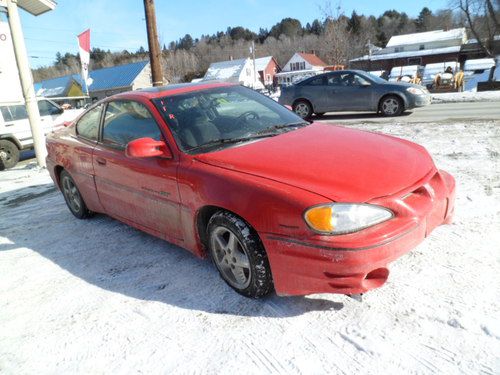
column 147, row 148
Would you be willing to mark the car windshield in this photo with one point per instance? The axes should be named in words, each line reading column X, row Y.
column 209, row 119
column 373, row 77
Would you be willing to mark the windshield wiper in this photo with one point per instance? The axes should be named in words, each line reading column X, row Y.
column 217, row 142
column 282, row 126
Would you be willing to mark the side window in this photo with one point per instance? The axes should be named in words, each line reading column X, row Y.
column 316, row 81
column 46, row 108
column 14, row 112
column 7, row 116
column 125, row 121
column 334, row 79
column 88, row 125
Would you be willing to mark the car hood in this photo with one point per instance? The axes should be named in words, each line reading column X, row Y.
column 338, row 163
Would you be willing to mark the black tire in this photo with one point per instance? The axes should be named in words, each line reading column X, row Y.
column 9, row 154
column 303, row 109
column 257, row 275
column 73, row 198
column 391, row 105
column 319, row 114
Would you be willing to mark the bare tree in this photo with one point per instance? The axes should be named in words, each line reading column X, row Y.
column 483, row 20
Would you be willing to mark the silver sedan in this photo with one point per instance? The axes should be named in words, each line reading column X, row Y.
column 352, row 90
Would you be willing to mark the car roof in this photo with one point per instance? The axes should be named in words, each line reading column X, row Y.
column 167, row 90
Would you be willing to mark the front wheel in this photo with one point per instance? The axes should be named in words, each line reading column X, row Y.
column 391, row 105
column 239, row 256
column 9, row 154
column 303, row 109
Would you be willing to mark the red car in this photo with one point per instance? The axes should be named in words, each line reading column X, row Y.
column 275, row 201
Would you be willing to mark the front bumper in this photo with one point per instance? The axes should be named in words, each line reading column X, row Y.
column 358, row 262
column 420, row 100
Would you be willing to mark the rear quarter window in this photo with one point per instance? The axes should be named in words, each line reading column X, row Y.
column 88, row 125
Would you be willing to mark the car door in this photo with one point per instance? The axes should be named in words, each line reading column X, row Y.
column 142, row 191
column 313, row 89
column 348, row 91
column 17, row 123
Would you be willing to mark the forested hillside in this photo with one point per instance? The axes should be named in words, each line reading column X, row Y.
column 335, row 37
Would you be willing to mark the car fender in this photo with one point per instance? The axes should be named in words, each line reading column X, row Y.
column 268, row 206
column 12, row 138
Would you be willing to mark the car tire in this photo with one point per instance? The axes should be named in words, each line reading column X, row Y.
column 9, row 154
column 391, row 105
column 319, row 114
column 303, row 109
column 238, row 254
column 73, row 198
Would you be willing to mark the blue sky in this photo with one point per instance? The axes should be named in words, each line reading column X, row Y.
column 118, row 25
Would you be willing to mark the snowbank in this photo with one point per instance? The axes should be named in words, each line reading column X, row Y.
column 467, row 96
column 97, row 296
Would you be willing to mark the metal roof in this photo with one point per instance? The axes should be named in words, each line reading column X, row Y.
column 404, row 54
column 115, row 76
column 103, row 79
column 428, row 36
column 55, row 86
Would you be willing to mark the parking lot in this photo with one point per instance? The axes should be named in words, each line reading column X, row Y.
column 98, row 296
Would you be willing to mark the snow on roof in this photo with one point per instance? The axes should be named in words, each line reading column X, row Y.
column 262, row 62
column 224, row 70
column 397, row 55
column 428, row 36
column 409, row 70
column 312, row 59
column 478, row 64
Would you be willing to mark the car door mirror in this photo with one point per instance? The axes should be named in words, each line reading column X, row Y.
column 147, row 148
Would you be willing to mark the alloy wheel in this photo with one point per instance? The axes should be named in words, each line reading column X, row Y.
column 230, row 257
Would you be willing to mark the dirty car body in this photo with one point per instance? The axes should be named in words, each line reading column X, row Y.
column 329, row 206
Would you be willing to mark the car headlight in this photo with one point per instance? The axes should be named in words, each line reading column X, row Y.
column 415, row 91
column 342, row 218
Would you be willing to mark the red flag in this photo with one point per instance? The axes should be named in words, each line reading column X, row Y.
column 84, row 40
column 84, row 44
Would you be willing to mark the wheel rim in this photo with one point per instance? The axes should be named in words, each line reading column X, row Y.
column 390, row 106
column 5, row 154
column 72, row 195
column 302, row 109
column 230, row 257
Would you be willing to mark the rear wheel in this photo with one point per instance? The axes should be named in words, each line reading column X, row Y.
column 391, row 105
column 73, row 198
column 9, row 154
column 303, row 108
column 239, row 255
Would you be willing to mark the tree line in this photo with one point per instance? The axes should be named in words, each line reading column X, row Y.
column 335, row 38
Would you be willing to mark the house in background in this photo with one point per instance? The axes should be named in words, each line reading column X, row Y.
column 415, row 49
column 267, row 67
column 301, row 65
column 105, row 82
column 239, row 71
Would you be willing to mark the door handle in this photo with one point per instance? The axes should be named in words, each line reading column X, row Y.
column 100, row 161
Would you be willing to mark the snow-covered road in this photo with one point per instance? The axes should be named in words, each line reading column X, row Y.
column 97, row 296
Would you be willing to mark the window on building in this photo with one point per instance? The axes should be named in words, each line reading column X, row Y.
column 399, row 49
column 422, row 46
column 415, row 61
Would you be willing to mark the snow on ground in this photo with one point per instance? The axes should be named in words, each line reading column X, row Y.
column 466, row 96
column 97, row 296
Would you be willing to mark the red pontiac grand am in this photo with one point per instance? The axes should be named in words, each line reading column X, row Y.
column 276, row 202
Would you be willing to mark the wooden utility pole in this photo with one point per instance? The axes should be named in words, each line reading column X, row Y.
column 154, row 45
